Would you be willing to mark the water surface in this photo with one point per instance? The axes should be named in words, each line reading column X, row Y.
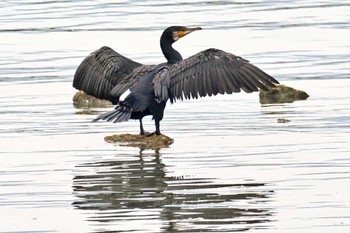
column 232, row 167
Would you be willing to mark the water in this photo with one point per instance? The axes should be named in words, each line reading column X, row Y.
column 232, row 166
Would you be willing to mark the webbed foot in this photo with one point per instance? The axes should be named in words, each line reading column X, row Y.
column 148, row 134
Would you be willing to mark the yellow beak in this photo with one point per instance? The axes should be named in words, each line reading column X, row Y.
column 187, row 31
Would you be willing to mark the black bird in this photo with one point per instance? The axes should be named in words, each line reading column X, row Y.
column 107, row 75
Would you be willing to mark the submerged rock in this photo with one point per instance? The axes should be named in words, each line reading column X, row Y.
column 281, row 94
column 282, row 120
column 82, row 100
column 141, row 141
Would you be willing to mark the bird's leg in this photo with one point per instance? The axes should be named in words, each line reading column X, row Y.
column 157, row 132
column 142, row 131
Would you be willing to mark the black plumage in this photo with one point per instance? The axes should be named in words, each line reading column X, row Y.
column 106, row 74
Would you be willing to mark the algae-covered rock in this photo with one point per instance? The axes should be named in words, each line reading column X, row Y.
column 281, row 94
column 141, row 141
column 82, row 100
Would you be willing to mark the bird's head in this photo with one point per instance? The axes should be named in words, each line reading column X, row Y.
column 174, row 33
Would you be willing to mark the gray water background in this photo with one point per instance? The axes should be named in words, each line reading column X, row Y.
column 232, row 166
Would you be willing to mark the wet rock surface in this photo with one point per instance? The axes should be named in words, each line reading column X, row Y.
column 83, row 101
column 281, row 94
column 141, row 141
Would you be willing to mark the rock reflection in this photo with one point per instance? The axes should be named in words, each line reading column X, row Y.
column 137, row 195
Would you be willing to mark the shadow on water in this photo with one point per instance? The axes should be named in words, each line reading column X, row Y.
column 137, row 192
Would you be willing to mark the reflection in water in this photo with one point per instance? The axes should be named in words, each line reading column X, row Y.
column 135, row 194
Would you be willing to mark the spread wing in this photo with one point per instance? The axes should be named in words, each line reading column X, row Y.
column 129, row 81
column 101, row 71
column 210, row 72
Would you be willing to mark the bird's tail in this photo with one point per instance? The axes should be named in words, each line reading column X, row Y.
column 119, row 114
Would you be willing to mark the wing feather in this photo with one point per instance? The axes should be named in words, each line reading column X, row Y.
column 255, row 82
column 161, row 83
column 99, row 72
column 214, row 71
column 129, row 81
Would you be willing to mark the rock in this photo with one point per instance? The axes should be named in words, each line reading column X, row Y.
column 281, row 94
column 82, row 100
column 141, row 141
column 282, row 120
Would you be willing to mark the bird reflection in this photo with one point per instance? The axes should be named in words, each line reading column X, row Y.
column 122, row 192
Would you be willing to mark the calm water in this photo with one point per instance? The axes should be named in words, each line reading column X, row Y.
column 232, row 166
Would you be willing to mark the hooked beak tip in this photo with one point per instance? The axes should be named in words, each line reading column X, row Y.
column 196, row 29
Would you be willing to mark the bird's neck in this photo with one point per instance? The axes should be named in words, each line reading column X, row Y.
column 169, row 52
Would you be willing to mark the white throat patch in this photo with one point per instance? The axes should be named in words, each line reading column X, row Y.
column 176, row 36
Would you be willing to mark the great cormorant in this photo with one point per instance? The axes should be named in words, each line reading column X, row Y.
column 107, row 75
